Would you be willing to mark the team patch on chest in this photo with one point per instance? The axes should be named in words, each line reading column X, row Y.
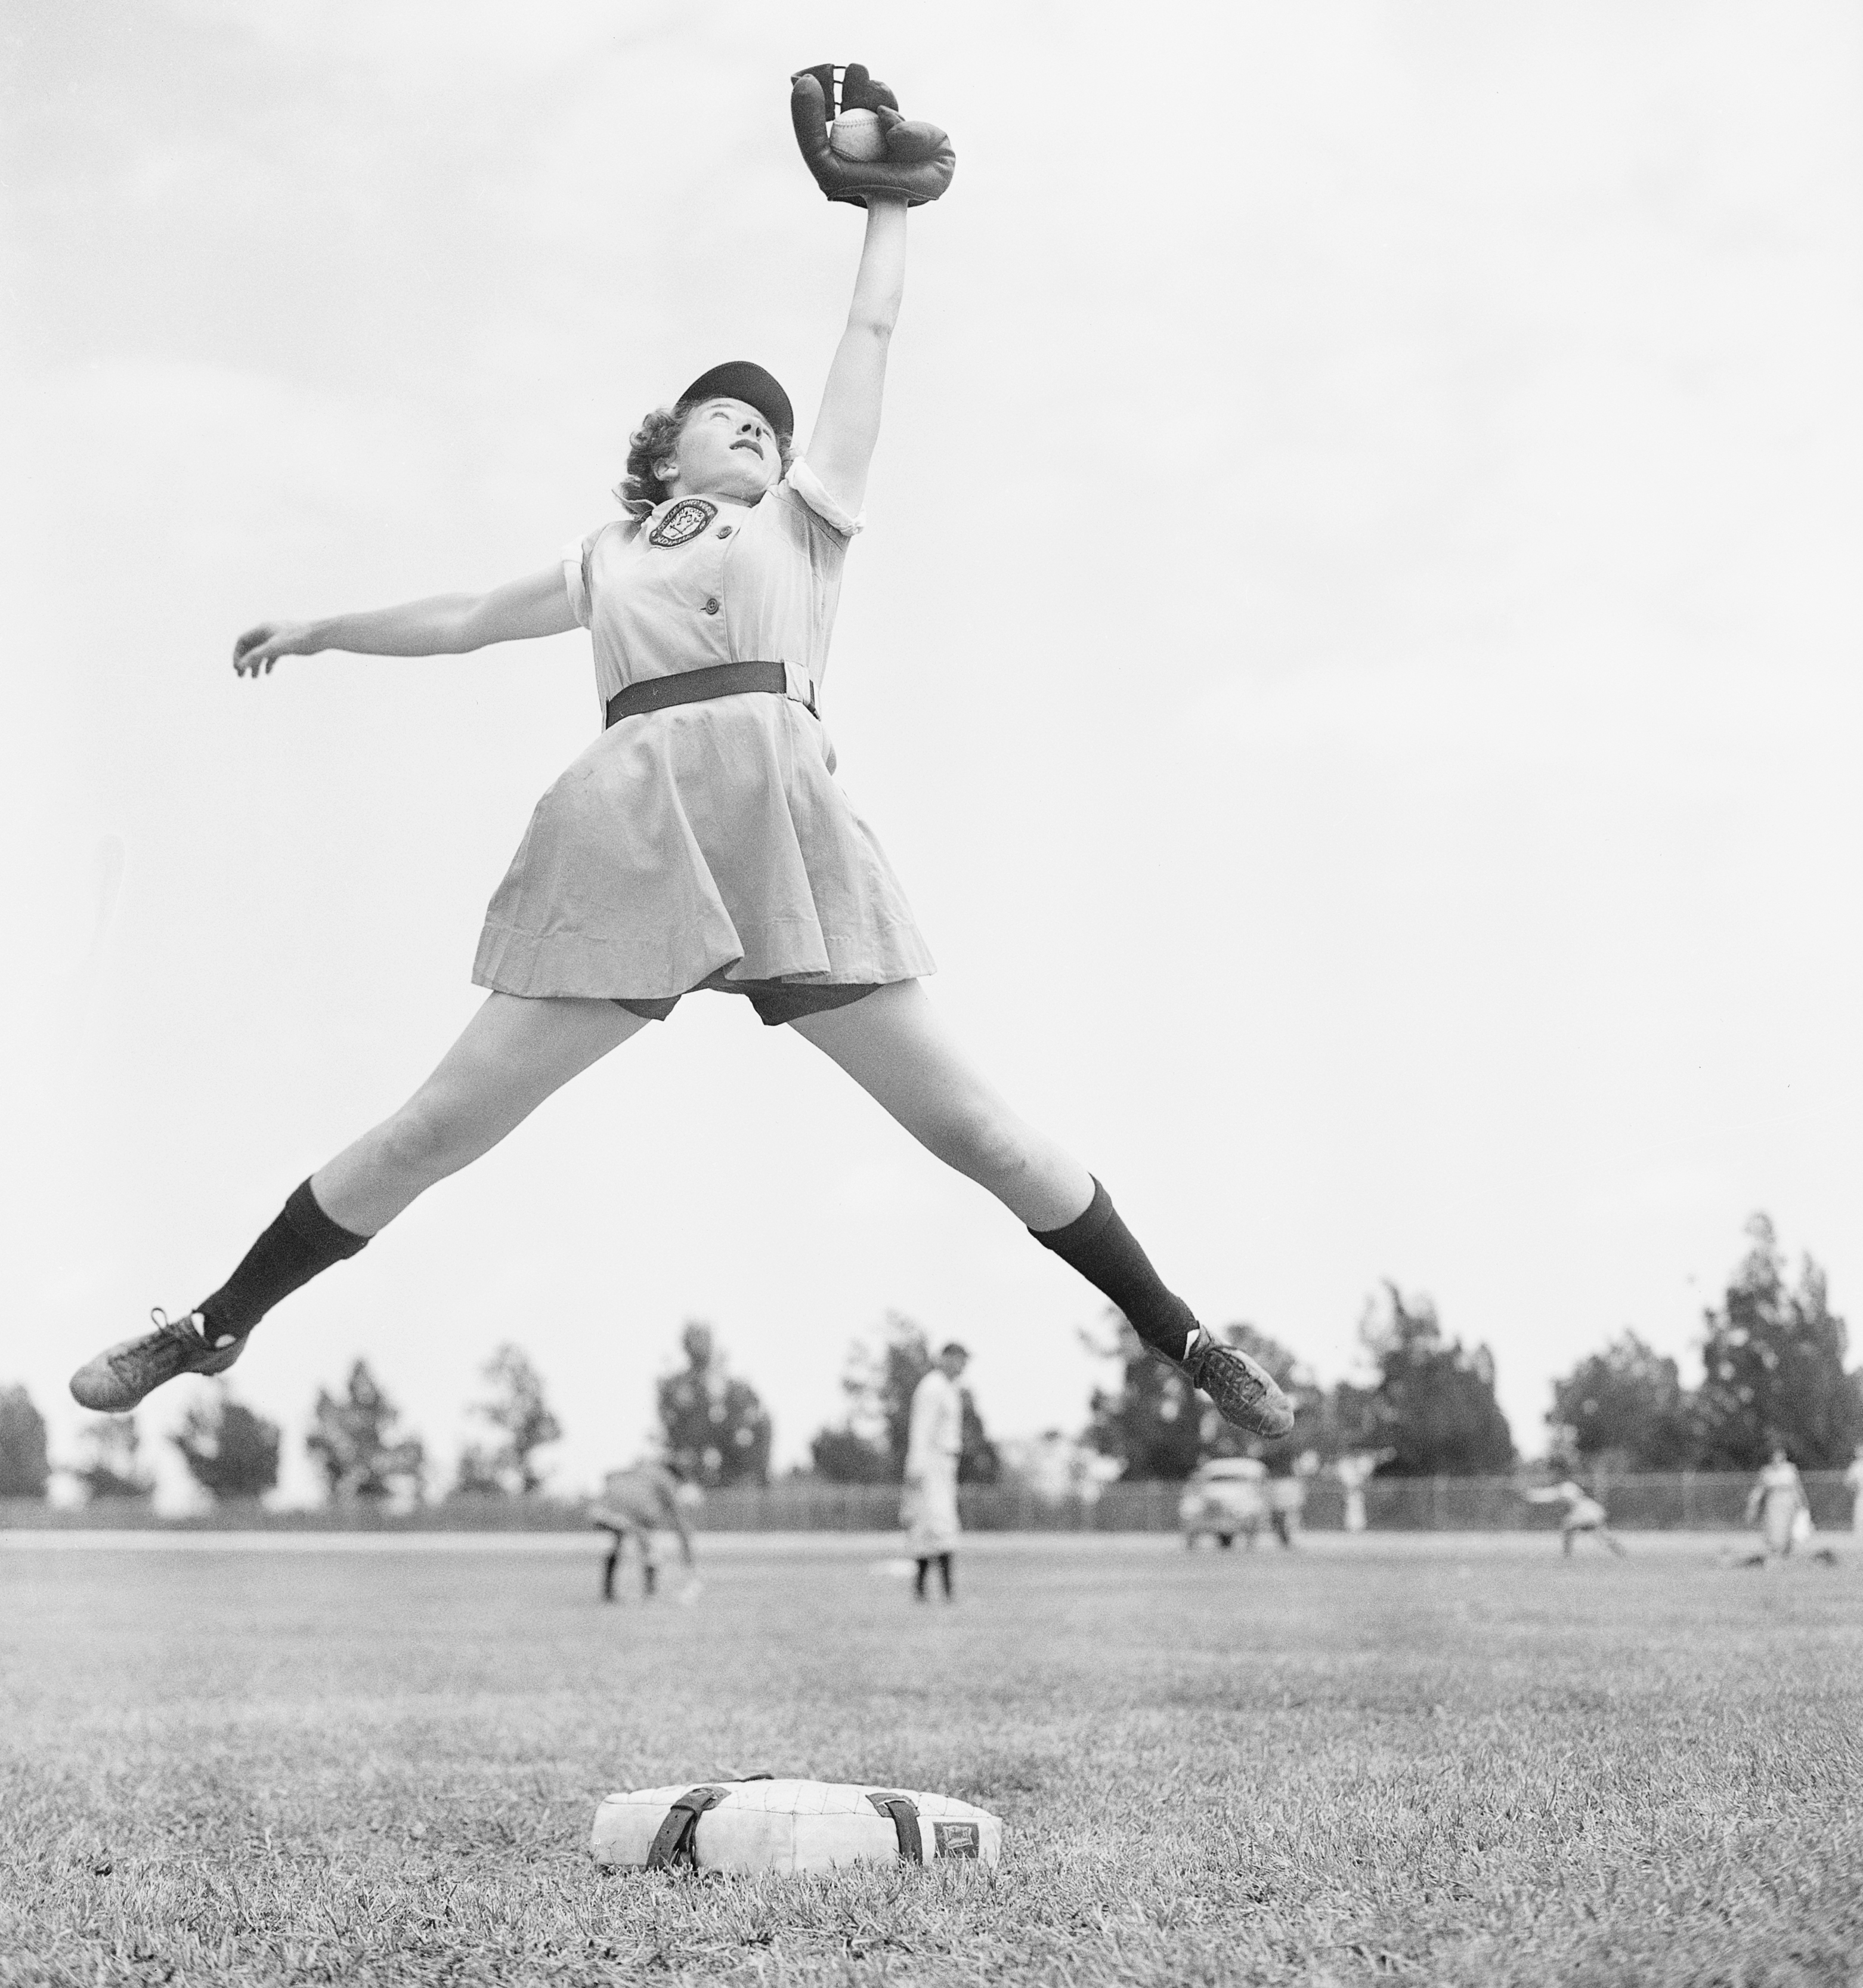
column 685, row 520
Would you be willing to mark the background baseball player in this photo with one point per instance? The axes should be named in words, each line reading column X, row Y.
column 1778, row 1502
column 933, row 1445
column 1583, row 1515
column 638, row 1504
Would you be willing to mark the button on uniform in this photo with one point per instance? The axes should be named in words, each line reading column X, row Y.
column 712, row 603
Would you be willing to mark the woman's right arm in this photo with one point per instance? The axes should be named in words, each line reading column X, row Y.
column 446, row 624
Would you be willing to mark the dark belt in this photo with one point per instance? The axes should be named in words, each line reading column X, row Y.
column 697, row 686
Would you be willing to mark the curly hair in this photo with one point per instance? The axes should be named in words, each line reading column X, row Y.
column 654, row 440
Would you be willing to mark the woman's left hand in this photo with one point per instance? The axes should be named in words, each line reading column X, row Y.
column 258, row 649
column 919, row 160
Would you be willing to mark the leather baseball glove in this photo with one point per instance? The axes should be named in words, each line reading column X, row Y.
column 919, row 160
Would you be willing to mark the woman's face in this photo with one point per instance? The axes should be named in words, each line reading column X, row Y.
column 726, row 449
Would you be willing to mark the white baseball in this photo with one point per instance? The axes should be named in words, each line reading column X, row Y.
column 857, row 135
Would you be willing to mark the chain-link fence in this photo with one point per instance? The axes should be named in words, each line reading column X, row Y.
column 1675, row 1501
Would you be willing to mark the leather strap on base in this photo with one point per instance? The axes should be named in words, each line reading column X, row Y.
column 904, row 1814
column 699, row 686
column 674, row 1844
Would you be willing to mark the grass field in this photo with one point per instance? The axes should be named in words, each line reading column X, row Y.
column 1438, row 1758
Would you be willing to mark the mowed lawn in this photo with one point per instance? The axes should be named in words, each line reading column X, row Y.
column 1444, row 1760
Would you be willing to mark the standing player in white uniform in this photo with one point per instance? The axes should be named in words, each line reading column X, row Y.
column 1778, row 1501
column 1583, row 1514
column 701, row 841
column 1354, row 1471
column 935, row 1443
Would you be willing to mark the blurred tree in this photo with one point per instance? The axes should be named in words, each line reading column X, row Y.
column 1774, row 1362
column 230, row 1451
column 716, row 1426
column 1151, row 1424
column 1347, row 1424
column 1434, row 1404
column 869, row 1447
column 353, row 1441
column 518, row 1411
column 1626, row 1409
column 111, row 1470
column 479, row 1475
column 25, row 1466
column 1154, row 1425
column 978, row 1461
column 844, row 1456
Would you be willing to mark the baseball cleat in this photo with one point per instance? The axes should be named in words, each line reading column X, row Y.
column 121, row 1375
column 1246, row 1395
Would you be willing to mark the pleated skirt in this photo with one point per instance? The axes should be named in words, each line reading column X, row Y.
column 709, row 839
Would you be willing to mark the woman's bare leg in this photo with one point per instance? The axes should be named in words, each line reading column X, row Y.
column 896, row 1048
column 512, row 1054
column 894, row 1045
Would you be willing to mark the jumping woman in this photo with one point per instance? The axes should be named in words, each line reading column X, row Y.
column 701, row 841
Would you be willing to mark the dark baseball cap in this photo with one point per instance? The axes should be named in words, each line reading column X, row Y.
column 743, row 380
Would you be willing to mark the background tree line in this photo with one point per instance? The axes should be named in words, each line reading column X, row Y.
column 1773, row 1355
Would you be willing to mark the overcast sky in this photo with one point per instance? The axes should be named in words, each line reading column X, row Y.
column 1354, row 658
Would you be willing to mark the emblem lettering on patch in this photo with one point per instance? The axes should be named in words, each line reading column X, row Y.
column 686, row 520
column 956, row 1839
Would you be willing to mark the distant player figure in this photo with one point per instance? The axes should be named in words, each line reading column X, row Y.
column 639, row 1503
column 1583, row 1514
column 1287, row 1498
column 929, row 1510
column 1777, row 1501
column 1354, row 1472
column 1853, row 1478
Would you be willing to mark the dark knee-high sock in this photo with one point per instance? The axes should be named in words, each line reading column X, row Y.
column 1107, row 1254
column 944, row 1573
column 918, row 1583
column 608, row 1566
column 300, row 1242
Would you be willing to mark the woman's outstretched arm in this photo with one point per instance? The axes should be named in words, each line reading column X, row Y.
column 445, row 624
column 848, row 426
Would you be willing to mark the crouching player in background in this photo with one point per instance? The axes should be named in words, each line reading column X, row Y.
column 639, row 1503
column 1583, row 1514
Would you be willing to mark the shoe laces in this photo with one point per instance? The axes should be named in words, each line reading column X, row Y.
column 183, row 1328
column 1212, row 1353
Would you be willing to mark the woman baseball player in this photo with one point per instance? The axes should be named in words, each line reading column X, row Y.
column 1583, row 1514
column 1778, row 1502
column 701, row 840
column 638, row 1504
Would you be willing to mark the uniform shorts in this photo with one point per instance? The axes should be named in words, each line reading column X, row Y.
column 775, row 1001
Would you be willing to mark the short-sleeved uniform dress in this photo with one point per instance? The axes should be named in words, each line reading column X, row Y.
column 708, row 844
column 1782, row 1499
column 929, row 1511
